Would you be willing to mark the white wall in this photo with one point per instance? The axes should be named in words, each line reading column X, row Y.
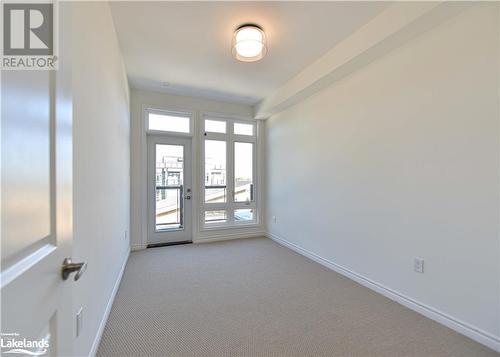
column 141, row 99
column 101, row 164
column 400, row 160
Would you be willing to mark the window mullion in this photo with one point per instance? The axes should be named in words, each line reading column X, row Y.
column 230, row 173
column 244, row 139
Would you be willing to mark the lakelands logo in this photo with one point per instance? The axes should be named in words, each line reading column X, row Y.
column 12, row 343
column 28, row 36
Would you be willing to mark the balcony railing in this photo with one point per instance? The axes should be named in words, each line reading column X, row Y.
column 219, row 192
column 170, row 210
column 170, row 207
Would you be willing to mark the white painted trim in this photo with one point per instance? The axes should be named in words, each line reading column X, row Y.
column 230, row 139
column 23, row 265
column 102, row 325
column 235, row 226
column 197, row 179
column 164, row 236
column 498, row 232
column 162, row 111
column 225, row 116
column 455, row 324
column 144, row 224
column 221, row 237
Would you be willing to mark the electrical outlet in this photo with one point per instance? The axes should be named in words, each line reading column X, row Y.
column 79, row 321
column 274, row 219
column 418, row 265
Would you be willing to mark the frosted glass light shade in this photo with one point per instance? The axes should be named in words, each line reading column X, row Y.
column 249, row 43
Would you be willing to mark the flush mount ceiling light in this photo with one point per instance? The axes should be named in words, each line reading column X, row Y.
column 249, row 43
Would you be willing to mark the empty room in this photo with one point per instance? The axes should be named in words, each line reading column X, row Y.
column 250, row 178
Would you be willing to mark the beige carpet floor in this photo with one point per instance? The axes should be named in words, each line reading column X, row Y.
column 253, row 297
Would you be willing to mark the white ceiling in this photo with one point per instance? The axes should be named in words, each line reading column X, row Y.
column 188, row 44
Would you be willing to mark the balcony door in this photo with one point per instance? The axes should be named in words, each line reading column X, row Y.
column 169, row 190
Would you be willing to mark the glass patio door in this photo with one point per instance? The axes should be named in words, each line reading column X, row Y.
column 169, row 190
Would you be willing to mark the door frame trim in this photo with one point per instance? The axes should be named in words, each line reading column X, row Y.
column 149, row 225
column 143, row 166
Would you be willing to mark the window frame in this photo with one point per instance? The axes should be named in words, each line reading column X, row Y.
column 246, row 123
column 230, row 205
column 218, row 120
column 160, row 111
column 215, row 205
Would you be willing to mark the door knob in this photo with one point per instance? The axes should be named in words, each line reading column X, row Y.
column 187, row 197
column 69, row 267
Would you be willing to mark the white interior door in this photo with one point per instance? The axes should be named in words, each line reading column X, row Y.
column 169, row 190
column 36, row 210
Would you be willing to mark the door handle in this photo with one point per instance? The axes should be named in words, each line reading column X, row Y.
column 187, row 197
column 69, row 267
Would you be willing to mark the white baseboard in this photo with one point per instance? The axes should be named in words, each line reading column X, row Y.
column 459, row 326
column 221, row 237
column 104, row 319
